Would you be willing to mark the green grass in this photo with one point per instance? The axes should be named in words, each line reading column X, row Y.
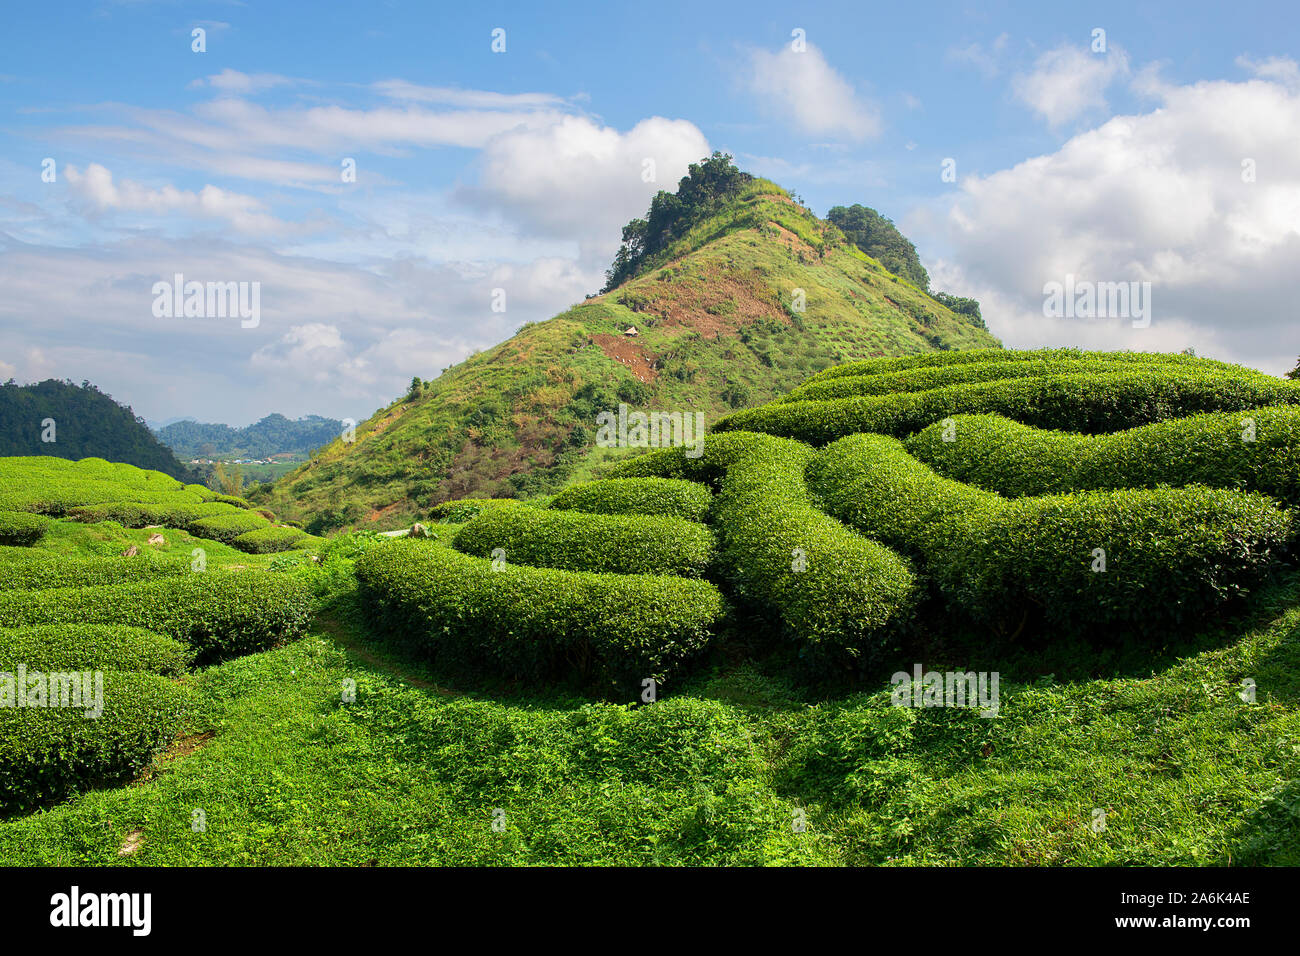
column 287, row 774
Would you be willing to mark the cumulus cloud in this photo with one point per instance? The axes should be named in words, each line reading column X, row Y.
column 1069, row 82
column 1201, row 198
column 583, row 180
column 810, row 93
column 246, row 214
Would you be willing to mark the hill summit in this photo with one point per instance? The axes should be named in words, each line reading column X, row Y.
column 729, row 293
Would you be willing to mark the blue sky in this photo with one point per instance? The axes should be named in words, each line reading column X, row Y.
column 479, row 170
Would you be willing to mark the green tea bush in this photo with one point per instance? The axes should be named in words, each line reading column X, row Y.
column 901, row 363
column 68, row 647
column 574, row 541
column 19, row 528
column 829, row 586
column 458, row 512
column 535, row 623
column 1134, row 557
column 219, row 614
column 1255, row 450
column 66, row 572
column 227, row 527
column 235, row 500
column 269, row 540
column 54, row 486
column 1100, row 402
column 638, row 496
column 139, row 514
column 926, row 377
column 47, row 753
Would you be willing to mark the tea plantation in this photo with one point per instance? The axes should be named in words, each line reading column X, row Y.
column 688, row 660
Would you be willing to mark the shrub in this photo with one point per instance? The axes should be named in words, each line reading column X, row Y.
column 63, row 572
column 67, row 647
column 21, row 529
column 227, row 527
column 218, row 613
column 638, row 496
column 539, row 622
column 1099, row 402
column 1170, row 554
column 268, row 540
column 49, row 752
column 852, row 593
column 457, row 512
column 1257, row 450
column 877, row 366
column 139, row 514
column 926, row 377
column 573, row 541
column 235, row 500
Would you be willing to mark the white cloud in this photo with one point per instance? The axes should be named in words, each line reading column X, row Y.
column 235, row 82
column 1157, row 197
column 988, row 62
column 1069, row 82
column 1280, row 68
column 245, row 213
column 472, row 99
column 803, row 87
column 578, row 179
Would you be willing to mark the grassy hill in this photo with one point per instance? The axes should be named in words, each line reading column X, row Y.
column 718, row 331
column 82, row 422
column 273, row 435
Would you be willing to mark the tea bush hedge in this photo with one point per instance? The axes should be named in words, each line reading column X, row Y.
column 47, row 753
column 67, row 647
column 1100, row 402
column 458, row 512
column 19, row 528
column 828, row 585
column 1257, row 450
column 928, row 377
column 534, row 623
column 227, row 527
column 1170, row 554
column 219, row 614
column 670, row 497
column 901, row 363
column 574, row 541
column 66, row 572
column 270, row 540
column 139, row 514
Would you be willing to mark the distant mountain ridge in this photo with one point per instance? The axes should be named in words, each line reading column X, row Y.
column 83, row 423
column 710, row 306
column 273, row 435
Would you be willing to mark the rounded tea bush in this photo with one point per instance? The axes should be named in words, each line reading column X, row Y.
column 538, row 623
column 64, row 572
column 47, row 753
column 20, row 528
column 670, row 497
column 219, row 614
column 227, row 527
column 64, row 647
column 1257, row 450
column 270, row 540
column 1092, row 403
column 574, row 541
column 1136, row 556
